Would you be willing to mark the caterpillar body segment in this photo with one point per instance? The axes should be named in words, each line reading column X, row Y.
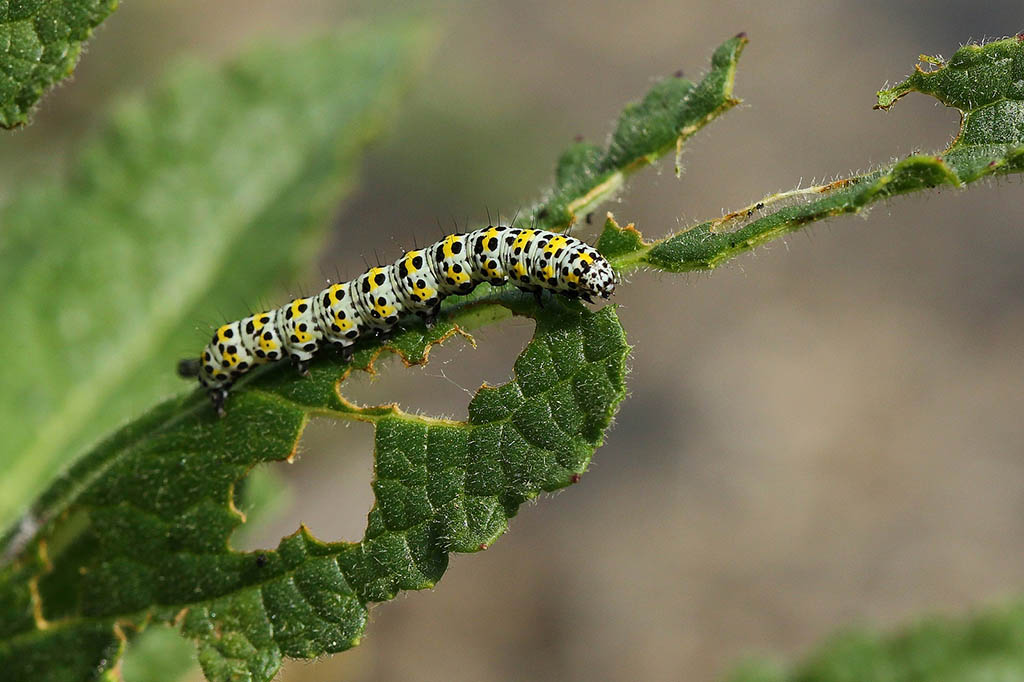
column 376, row 301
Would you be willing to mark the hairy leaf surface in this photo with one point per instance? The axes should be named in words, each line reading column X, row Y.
column 40, row 42
column 985, row 82
column 669, row 114
column 138, row 531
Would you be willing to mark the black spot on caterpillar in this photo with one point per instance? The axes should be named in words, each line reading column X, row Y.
column 533, row 260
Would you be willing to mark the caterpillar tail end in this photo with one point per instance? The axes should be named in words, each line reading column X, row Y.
column 188, row 368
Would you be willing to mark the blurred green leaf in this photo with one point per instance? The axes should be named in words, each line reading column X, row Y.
column 197, row 198
column 982, row 648
column 986, row 82
column 158, row 654
column 40, row 42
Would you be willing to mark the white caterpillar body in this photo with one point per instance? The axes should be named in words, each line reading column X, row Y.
column 416, row 283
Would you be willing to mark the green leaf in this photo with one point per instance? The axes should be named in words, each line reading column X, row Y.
column 40, row 42
column 986, row 82
column 196, row 199
column 986, row 646
column 138, row 531
column 669, row 114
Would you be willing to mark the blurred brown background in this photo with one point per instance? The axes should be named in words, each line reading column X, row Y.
column 827, row 431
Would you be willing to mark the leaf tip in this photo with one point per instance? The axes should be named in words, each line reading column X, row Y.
column 616, row 241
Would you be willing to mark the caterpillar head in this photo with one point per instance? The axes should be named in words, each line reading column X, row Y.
column 599, row 279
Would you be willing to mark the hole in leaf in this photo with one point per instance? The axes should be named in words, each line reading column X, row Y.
column 447, row 383
column 328, row 486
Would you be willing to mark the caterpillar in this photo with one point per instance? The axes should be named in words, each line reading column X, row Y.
column 531, row 259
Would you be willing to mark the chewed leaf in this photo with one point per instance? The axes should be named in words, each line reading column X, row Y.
column 40, row 43
column 137, row 532
column 123, row 551
column 670, row 113
column 986, row 82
